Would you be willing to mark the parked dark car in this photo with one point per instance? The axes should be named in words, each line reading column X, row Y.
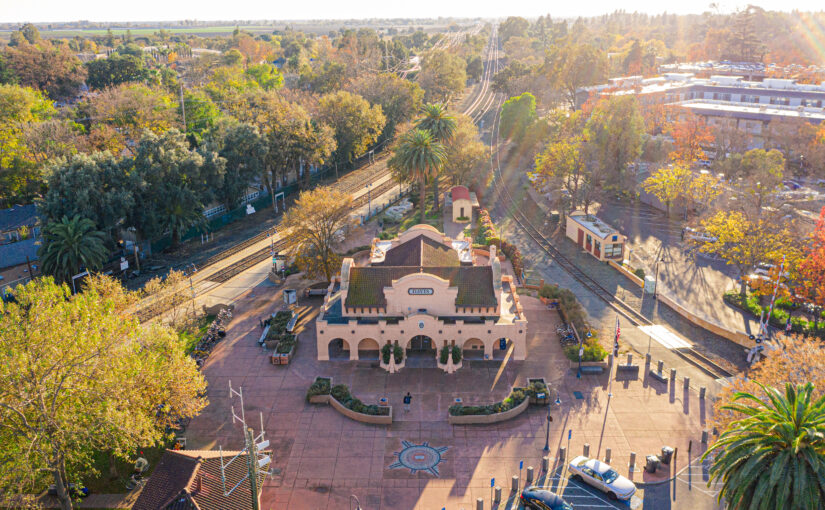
column 542, row 499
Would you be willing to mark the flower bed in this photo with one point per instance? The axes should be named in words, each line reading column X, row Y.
column 279, row 340
column 779, row 316
column 339, row 397
column 486, row 235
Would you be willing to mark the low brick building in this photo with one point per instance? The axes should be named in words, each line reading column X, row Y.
column 421, row 291
column 595, row 236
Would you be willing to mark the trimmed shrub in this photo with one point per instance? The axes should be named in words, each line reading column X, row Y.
column 319, row 387
column 442, row 357
column 398, row 352
column 516, row 397
column 340, row 392
column 456, row 355
column 640, row 273
column 386, row 349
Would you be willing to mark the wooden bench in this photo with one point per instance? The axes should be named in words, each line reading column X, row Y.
column 592, row 370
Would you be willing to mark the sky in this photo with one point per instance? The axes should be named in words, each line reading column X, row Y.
column 165, row 10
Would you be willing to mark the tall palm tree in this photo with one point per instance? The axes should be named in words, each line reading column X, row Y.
column 418, row 157
column 442, row 126
column 774, row 457
column 181, row 211
column 70, row 245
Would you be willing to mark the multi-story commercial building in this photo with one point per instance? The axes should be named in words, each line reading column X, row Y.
column 749, row 106
column 422, row 291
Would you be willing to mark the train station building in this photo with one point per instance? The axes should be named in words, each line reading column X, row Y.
column 422, row 291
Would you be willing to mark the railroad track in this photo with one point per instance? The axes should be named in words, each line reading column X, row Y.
column 505, row 204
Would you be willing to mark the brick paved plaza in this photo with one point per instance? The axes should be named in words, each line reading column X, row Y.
column 322, row 457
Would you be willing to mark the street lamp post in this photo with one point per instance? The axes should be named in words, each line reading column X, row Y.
column 549, row 419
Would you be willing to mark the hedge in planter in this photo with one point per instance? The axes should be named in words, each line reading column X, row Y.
column 390, row 348
column 340, row 392
column 515, row 398
column 593, row 351
column 321, row 386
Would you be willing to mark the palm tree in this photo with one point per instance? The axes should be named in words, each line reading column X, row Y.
column 417, row 157
column 775, row 456
column 442, row 126
column 181, row 211
column 71, row 245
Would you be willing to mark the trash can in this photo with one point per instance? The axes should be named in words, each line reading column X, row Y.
column 652, row 463
column 667, row 454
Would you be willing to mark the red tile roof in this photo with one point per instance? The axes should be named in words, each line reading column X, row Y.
column 460, row 193
column 185, row 479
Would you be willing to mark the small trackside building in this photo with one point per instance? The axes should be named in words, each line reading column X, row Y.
column 462, row 201
column 595, row 236
column 422, row 291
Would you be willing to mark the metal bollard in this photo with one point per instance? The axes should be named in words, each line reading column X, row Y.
column 630, row 359
column 480, row 504
column 497, row 497
column 672, row 375
column 702, row 391
column 660, row 367
column 514, row 484
column 632, row 464
column 545, row 464
column 529, row 476
column 704, row 437
column 607, row 455
column 647, row 359
column 562, row 452
column 586, row 450
column 687, row 383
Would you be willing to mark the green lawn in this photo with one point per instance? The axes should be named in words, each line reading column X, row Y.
column 103, row 484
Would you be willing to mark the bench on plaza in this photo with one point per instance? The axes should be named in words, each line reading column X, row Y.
column 629, row 368
column 592, row 370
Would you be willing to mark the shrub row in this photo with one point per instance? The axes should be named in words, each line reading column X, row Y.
column 446, row 350
column 593, row 351
column 515, row 398
column 397, row 351
column 512, row 252
column 340, row 392
column 487, row 233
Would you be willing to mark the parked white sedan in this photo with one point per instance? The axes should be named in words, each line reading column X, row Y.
column 601, row 476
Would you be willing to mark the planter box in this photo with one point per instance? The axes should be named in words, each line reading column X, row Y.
column 535, row 400
column 319, row 399
column 284, row 358
column 363, row 418
column 274, row 359
column 489, row 418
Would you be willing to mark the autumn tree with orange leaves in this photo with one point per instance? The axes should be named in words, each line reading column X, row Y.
column 690, row 135
column 812, row 269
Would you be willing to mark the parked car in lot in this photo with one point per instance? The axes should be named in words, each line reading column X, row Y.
column 601, row 476
column 543, row 499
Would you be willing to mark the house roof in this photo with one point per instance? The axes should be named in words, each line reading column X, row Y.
column 186, row 479
column 474, row 283
column 421, row 251
column 460, row 193
column 17, row 216
column 14, row 254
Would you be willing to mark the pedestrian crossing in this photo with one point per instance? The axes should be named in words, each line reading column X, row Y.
column 665, row 337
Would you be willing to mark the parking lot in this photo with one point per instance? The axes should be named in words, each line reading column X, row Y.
column 581, row 495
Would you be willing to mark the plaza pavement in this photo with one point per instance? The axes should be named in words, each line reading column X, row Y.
column 320, row 457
